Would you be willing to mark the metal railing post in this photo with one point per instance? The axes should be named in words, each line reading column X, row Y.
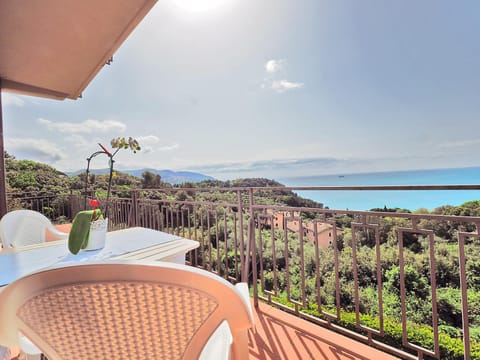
column 134, row 209
column 70, row 203
column 242, row 238
column 251, row 251
column 3, row 187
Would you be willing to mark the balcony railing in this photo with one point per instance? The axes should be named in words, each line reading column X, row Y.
column 407, row 283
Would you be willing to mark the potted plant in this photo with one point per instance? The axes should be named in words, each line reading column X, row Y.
column 89, row 227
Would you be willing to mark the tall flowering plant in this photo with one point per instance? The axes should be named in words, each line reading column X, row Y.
column 80, row 231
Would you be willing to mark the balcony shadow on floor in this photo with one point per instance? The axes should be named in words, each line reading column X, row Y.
column 279, row 335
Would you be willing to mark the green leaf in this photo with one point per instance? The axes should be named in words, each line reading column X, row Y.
column 78, row 237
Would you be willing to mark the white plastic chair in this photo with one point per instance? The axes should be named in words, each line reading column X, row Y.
column 120, row 310
column 26, row 227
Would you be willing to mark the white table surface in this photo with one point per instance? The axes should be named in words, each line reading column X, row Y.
column 133, row 243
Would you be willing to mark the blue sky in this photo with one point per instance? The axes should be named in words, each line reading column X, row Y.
column 274, row 88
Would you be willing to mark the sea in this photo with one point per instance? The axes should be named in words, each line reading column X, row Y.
column 411, row 200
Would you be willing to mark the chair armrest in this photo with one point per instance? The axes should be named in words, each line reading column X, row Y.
column 57, row 233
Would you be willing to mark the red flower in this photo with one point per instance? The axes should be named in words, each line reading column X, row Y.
column 94, row 204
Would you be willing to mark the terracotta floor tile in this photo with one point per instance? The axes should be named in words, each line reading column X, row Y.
column 280, row 335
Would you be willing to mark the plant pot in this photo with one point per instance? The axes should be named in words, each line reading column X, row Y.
column 97, row 236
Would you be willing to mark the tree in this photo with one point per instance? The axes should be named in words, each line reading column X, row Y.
column 28, row 175
column 181, row 195
column 151, row 180
column 415, row 283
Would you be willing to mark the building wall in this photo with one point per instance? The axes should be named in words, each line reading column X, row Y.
column 324, row 230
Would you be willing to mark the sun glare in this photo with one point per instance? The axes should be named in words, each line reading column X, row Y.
column 199, row 5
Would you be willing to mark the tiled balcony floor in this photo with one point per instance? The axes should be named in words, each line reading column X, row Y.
column 280, row 335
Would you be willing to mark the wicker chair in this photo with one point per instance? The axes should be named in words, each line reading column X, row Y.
column 123, row 310
column 26, row 227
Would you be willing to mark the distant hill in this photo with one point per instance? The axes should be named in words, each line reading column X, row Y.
column 172, row 177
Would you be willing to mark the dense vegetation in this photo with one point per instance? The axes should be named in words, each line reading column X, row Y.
column 31, row 176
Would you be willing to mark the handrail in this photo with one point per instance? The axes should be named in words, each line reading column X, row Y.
column 319, row 188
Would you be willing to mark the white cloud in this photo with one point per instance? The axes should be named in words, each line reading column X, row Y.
column 146, row 149
column 35, row 149
column 169, row 148
column 9, row 99
column 86, row 127
column 147, row 140
column 269, row 165
column 273, row 66
column 281, row 86
column 79, row 142
column 460, row 143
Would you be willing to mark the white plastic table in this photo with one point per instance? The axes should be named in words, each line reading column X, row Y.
column 133, row 243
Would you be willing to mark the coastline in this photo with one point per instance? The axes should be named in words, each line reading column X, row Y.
column 411, row 200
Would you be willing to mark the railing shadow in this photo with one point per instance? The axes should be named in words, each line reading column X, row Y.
column 279, row 335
